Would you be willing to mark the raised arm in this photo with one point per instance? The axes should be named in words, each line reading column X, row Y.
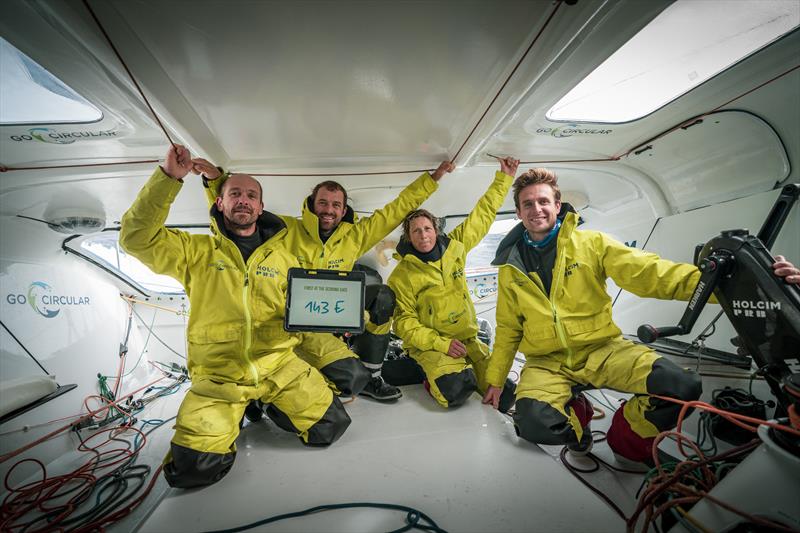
column 370, row 230
column 477, row 224
column 142, row 232
column 213, row 178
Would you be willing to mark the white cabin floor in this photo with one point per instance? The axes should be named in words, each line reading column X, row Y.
column 465, row 468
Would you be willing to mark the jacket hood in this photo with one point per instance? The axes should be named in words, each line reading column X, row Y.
column 510, row 240
column 268, row 224
column 405, row 247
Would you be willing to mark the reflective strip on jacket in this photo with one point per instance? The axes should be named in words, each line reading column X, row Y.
column 433, row 302
column 235, row 330
column 577, row 312
column 354, row 236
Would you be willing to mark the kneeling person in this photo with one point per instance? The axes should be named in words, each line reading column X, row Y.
column 434, row 315
column 237, row 349
column 552, row 306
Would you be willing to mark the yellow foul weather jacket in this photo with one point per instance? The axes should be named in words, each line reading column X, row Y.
column 577, row 312
column 433, row 302
column 235, row 330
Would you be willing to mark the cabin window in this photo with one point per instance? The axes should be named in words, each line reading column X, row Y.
column 688, row 43
column 104, row 248
column 481, row 257
column 32, row 95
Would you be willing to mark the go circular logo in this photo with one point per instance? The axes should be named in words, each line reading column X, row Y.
column 42, row 299
column 52, row 136
column 483, row 290
column 572, row 130
column 37, row 293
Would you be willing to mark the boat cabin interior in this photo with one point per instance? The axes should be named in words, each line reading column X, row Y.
column 673, row 127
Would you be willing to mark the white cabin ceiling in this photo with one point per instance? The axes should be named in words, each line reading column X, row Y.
column 368, row 92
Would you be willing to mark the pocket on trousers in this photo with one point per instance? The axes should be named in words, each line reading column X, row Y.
column 597, row 357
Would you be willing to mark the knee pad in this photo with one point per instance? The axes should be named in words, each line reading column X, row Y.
column 382, row 307
column 280, row 418
column 371, row 348
column 456, row 388
column 330, row 427
column 402, row 371
column 349, row 375
column 669, row 379
column 541, row 423
column 507, row 396
column 187, row 468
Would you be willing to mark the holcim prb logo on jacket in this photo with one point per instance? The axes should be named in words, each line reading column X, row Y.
column 42, row 299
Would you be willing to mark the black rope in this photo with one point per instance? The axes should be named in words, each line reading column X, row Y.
column 24, row 348
column 645, row 244
column 413, row 517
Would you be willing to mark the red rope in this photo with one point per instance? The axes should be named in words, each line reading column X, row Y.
column 82, row 165
column 5, row 457
column 328, row 174
column 756, row 87
column 536, row 38
column 569, row 161
column 125, row 66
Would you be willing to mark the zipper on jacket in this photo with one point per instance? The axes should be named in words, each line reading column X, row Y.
column 555, row 287
column 248, row 335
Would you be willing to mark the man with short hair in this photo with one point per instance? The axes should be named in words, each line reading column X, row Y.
column 553, row 307
column 330, row 235
column 237, row 349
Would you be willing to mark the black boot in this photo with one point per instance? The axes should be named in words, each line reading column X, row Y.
column 378, row 389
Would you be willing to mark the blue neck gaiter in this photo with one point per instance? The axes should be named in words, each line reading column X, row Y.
column 546, row 240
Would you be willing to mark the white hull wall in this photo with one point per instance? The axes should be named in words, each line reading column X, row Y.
column 78, row 342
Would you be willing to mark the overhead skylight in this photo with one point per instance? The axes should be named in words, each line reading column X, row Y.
column 687, row 44
column 31, row 95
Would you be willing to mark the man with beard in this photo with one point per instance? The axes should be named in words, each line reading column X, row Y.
column 237, row 349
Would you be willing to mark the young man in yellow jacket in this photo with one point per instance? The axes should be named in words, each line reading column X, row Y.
column 329, row 235
column 552, row 306
column 237, row 349
column 434, row 315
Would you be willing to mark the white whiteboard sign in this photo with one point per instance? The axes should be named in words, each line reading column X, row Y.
column 325, row 300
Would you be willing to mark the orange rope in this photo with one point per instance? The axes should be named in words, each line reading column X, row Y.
column 91, row 414
column 746, row 422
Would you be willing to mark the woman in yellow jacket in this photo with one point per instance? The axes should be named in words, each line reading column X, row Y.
column 434, row 315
